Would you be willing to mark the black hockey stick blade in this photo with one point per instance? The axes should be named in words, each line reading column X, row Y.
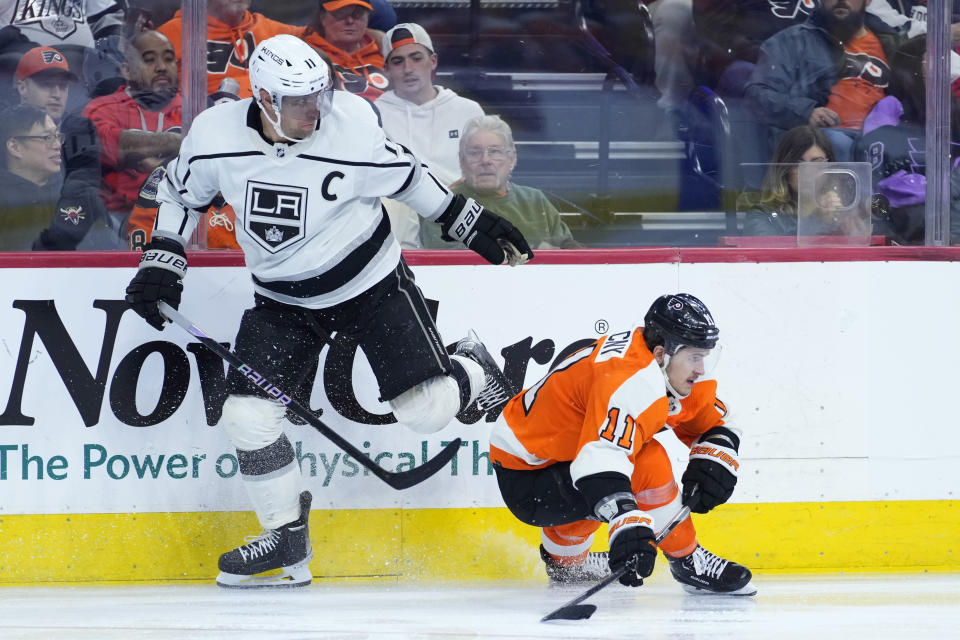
column 573, row 610
column 396, row 479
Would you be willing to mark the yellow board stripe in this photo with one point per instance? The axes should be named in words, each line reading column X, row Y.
column 437, row 544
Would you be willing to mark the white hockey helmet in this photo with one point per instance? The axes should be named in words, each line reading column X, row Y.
column 285, row 65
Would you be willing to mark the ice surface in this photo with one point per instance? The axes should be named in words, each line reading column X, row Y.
column 849, row 606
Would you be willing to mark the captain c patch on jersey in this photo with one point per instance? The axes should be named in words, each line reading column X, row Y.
column 275, row 214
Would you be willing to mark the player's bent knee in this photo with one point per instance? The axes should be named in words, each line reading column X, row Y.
column 252, row 422
column 429, row 406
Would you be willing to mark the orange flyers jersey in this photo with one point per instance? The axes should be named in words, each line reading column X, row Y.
column 229, row 48
column 596, row 409
column 220, row 217
column 360, row 72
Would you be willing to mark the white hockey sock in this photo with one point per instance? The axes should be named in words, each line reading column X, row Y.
column 276, row 496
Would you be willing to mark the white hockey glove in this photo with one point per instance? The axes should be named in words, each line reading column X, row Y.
column 483, row 231
column 711, row 473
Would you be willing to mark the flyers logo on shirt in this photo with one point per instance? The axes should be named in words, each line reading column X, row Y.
column 866, row 67
column 360, row 79
column 221, row 55
column 275, row 214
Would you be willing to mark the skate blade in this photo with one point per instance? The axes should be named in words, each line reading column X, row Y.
column 297, row 575
column 746, row 590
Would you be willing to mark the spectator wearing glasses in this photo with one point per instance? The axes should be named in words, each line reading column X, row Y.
column 340, row 29
column 30, row 177
column 487, row 157
column 426, row 118
column 773, row 211
column 42, row 79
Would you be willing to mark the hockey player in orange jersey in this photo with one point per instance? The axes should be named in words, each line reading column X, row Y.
column 577, row 449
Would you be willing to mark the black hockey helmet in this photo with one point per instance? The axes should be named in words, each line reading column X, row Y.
column 679, row 320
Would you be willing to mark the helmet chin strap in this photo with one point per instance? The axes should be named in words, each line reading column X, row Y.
column 276, row 124
column 663, row 369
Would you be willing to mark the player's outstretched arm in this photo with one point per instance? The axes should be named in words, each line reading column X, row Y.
column 483, row 231
column 714, row 464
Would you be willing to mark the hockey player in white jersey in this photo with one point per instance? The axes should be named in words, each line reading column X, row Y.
column 304, row 168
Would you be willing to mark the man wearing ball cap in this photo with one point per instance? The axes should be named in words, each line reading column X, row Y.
column 426, row 118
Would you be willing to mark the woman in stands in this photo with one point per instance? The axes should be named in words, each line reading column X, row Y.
column 487, row 158
column 773, row 211
column 340, row 30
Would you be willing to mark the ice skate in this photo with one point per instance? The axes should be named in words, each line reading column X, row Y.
column 595, row 568
column 275, row 558
column 496, row 390
column 704, row 572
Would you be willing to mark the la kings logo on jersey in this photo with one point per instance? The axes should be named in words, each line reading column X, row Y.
column 275, row 214
column 57, row 18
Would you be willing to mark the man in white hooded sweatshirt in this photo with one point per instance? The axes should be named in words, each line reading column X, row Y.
column 424, row 117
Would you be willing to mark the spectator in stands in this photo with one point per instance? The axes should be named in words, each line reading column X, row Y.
column 220, row 218
column 426, row 118
column 773, row 212
column 138, row 124
column 30, row 177
column 487, row 157
column 730, row 32
column 72, row 27
column 43, row 80
column 31, row 203
column 339, row 29
column 233, row 32
column 894, row 142
column 827, row 72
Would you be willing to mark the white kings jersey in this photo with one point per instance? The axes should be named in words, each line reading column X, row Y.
column 62, row 22
column 309, row 218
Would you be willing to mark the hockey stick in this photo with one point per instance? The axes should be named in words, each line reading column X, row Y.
column 573, row 610
column 397, row 480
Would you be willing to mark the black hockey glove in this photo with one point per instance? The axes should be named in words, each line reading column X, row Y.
column 632, row 540
column 162, row 267
column 483, row 231
column 711, row 473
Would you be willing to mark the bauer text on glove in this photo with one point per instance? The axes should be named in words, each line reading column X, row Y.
column 483, row 231
column 632, row 540
column 162, row 267
column 713, row 469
